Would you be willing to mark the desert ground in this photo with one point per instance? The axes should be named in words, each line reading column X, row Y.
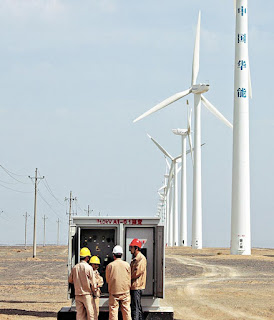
column 199, row 284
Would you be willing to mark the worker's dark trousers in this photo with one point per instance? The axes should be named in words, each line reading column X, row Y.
column 135, row 304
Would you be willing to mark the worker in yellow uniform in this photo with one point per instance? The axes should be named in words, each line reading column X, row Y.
column 83, row 278
column 118, row 279
column 138, row 267
column 95, row 263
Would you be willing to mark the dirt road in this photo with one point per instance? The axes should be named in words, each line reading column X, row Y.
column 200, row 284
column 220, row 286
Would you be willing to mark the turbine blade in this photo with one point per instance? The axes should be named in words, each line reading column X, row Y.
column 164, row 103
column 189, row 135
column 189, row 151
column 190, row 145
column 196, row 53
column 189, row 120
column 178, row 157
column 161, row 148
column 170, row 176
column 161, row 196
column 163, row 187
column 168, row 165
column 217, row 113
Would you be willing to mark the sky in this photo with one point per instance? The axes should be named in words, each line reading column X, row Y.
column 74, row 75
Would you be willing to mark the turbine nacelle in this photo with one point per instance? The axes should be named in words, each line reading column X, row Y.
column 200, row 88
column 180, row 132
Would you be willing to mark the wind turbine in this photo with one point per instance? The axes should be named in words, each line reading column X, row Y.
column 183, row 223
column 240, row 208
column 173, row 232
column 197, row 90
column 167, row 203
column 173, row 173
column 162, row 201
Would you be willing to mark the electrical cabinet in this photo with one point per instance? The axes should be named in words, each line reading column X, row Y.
column 101, row 234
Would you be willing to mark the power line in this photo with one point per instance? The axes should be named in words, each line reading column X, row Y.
column 15, row 174
column 51, row 193
column 78, row 205
column 8, row 217
column 42, row 197
column 14, row 189
column 39, row 192
column 10, row 174
column 1, row 211
column 8, row 182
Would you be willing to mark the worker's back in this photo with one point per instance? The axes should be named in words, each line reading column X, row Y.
column 118, row 277
column 83, row 278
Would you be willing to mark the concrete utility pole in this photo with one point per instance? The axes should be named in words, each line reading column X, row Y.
column 35, row 202
column 26, row 222
column 88, row 211
column 70, row 199
column 58, row 226
column 44, row 241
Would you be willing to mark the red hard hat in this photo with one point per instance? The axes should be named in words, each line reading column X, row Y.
column 136, row 243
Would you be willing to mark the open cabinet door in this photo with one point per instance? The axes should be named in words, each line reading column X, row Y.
column 160, row 265
column 72, row 256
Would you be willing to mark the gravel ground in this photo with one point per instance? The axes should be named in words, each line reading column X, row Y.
column 200, row 284
column 216, row 285
column 32, row 288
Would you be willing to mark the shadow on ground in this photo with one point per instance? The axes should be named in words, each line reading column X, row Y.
column 20, row 312
column 26, row 301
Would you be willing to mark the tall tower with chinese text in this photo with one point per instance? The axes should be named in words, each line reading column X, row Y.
column 240, row 214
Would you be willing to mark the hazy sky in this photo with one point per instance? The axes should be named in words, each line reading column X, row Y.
column 74, row 74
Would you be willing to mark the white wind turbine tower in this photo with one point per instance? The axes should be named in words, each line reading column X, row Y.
column 162, row 203
column 162, row 194
column 173, row 221
column 197, row 90
column 165, row 194
column 169, row 206
column 183, row 223
column 240, row 208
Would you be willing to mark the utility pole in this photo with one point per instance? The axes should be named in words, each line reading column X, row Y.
column 88, row 211
column 58, row 225
column 70, row 199
column 44, row 242
column 26, row 222
column 35, row 202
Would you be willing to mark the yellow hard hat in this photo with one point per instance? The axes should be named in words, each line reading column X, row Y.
column 84, row 252
column 94, row 260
